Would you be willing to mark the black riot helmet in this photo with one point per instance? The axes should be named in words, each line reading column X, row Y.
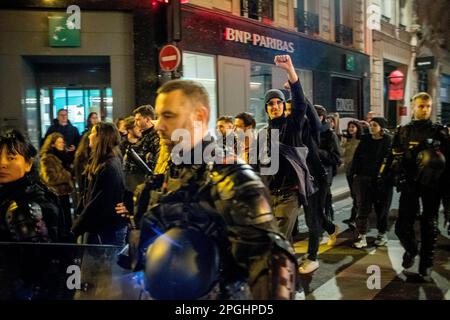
column 181, row 264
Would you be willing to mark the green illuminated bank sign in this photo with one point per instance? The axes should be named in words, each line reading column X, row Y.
column 349, row 62
column 64, row 31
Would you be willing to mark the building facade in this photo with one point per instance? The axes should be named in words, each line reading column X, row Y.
column 227, row 45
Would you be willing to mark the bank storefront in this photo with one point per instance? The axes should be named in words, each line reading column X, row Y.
column 233, row 58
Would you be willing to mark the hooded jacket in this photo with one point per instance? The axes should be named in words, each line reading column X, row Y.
column 301, row 128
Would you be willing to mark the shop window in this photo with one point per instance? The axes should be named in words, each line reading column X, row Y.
column 202, row 68
column 261, row 10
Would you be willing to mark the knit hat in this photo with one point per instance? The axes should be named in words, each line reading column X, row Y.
column 381, row 121
column 273, row 93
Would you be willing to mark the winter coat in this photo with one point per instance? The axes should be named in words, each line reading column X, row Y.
column 70, row 133
column 97, row 206
column 349, row 146
column 54, row 175
column 29, row 212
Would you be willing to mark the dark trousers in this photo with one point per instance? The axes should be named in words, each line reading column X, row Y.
column 407, row 212
column 329, row 211
column 286, row 209
column 66, row 210
column 316, row 220
column 368, row 195
column 353, row 195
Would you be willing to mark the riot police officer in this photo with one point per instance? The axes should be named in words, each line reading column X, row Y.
column 418, row 160
column 209, row 226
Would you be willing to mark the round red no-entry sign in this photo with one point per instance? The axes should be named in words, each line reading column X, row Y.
column 169, row 58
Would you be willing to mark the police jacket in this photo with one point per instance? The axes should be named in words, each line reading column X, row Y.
column 412, row 139
column 29, row 212
column 229, row 203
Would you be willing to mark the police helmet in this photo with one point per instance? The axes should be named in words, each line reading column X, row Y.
column 182, row 263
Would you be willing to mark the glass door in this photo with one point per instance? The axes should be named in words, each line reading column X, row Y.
column 79, row 102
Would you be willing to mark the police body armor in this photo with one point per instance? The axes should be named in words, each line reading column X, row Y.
column 208, row 210
column 417, row 154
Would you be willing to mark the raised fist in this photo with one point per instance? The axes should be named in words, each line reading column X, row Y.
column 284, row 62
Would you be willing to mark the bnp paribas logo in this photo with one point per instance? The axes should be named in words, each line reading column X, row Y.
column 64, row 30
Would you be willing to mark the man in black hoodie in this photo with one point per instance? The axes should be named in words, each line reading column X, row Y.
column 301, row 172
column 70, row 133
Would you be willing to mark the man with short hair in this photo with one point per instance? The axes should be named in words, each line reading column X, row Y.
column 226, row 203
column 244, row 125
column 420, row 154
column 71, row 135
column 225, row 131
column 148, row 146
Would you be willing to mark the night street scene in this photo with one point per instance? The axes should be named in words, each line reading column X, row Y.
column 222, row 150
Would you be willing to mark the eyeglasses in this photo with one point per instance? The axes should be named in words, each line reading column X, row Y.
column 274, row 103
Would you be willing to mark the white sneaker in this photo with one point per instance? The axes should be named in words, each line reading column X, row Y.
column 333, row 237
column 361, row 243
column 381, row 240
column 308, row 266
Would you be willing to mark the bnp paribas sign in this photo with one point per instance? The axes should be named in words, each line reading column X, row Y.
column 64, row 30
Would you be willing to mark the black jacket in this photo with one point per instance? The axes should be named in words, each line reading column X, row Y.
column 301, row 128
column 329, row 152
column 369, row 155
column 97, row 206
column 148, row 147
column 70, row 133
column 28, row 212
column 409, row 141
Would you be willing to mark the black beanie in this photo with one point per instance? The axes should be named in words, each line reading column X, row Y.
column 273, row 93
column 381, row 121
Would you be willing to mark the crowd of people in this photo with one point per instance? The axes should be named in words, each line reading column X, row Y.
column 118, row 184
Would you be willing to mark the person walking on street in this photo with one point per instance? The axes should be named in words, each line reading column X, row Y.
column 350, row 142
column 419, row 160
column 370, row 189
